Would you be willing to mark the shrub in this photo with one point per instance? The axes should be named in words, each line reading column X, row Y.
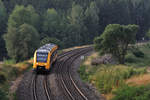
column 138, row 53
column 130, row 58
column 3, row 95
column 84, row 75
column 132, row 93
column 14, row 72
column 108, row 78
column 2, row 78
column 9, row 61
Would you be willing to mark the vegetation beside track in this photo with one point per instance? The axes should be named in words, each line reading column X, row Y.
column 110, row 79
column 9, row 71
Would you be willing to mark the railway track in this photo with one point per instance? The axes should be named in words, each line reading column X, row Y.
column 46, row 88
column 64, row 77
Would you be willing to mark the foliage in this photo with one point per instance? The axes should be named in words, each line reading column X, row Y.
column 3, row 18
column 106, row 78
column 51, row 22
column 148, row 34
column 83, row 73
column 73, row 22
column 141, row 61
column 21, row 42
column 3, row 24
column 8, row 73
column 21, row 15
column 9, row 61
column 47, row 40
column 91, row 20
column 2, row 78
column 3, row 95
column 132, row 93
column 138, row 53
column 115, row 40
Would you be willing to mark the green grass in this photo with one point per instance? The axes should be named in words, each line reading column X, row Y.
column 132, row 60
column 108, row 77
column 9, row 61
column 9, row 72
column 132, row 93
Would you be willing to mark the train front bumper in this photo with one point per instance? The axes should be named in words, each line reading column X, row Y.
column 41, row 66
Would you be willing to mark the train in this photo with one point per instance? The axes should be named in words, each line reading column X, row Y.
column 44, row 57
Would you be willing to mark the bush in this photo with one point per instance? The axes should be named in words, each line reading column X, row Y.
column 47, row 40
column 9, row 61
column 130, row 58
column 3, row 95
column 2, row 78
column 138, row 53
column 14, row 72
column 107, row 78
column 132, row 93
column 84, row 75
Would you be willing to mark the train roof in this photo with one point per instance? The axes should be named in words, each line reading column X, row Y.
column 46, row 48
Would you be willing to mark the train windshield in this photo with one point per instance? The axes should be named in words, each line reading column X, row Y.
column 41, row 57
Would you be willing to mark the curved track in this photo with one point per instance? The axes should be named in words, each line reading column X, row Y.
column 45, row 85
column 65, row 81
column 64, row 77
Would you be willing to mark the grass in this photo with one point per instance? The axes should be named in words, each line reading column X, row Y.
column 139, row 80
column 9, row 61
column 132, row 60
column 109, row 78
column 9, row 71
column 132, row 93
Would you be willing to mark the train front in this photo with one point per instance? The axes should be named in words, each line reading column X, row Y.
column 41, row 61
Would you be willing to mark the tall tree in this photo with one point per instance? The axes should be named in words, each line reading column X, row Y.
column 21, row 15
column 92, row 20
column 21, row 42
column 51, row 22
column 76, row 20
column 3, row 18
column 116, row 39
column 3, row 22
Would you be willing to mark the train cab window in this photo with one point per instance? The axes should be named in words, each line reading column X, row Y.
column 53, row 55
column 41, row 57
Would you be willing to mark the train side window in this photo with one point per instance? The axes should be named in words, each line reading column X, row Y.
column 53, row 54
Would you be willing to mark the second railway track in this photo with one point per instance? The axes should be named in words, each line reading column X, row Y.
column 64, row 78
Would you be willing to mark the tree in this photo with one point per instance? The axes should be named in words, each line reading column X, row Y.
column 78, row 29
column 3, row 18
column 92, row 20
column 51, row 22
column 21, row 15
column 3, row 24
column 116, row 39
column 148, row 34
column 21, row 42
column 47, row 40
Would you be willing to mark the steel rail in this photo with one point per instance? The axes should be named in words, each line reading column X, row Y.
column 46, row 88
column 66, row 85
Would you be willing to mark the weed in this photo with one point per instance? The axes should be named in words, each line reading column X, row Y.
column 108, row 77
column 9, row 61
column 132, row 93
column 3, row 95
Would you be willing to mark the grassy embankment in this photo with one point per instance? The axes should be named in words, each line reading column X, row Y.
column 9, row 71
column 121, row 82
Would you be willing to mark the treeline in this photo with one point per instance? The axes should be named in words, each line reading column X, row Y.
column 27, row 24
